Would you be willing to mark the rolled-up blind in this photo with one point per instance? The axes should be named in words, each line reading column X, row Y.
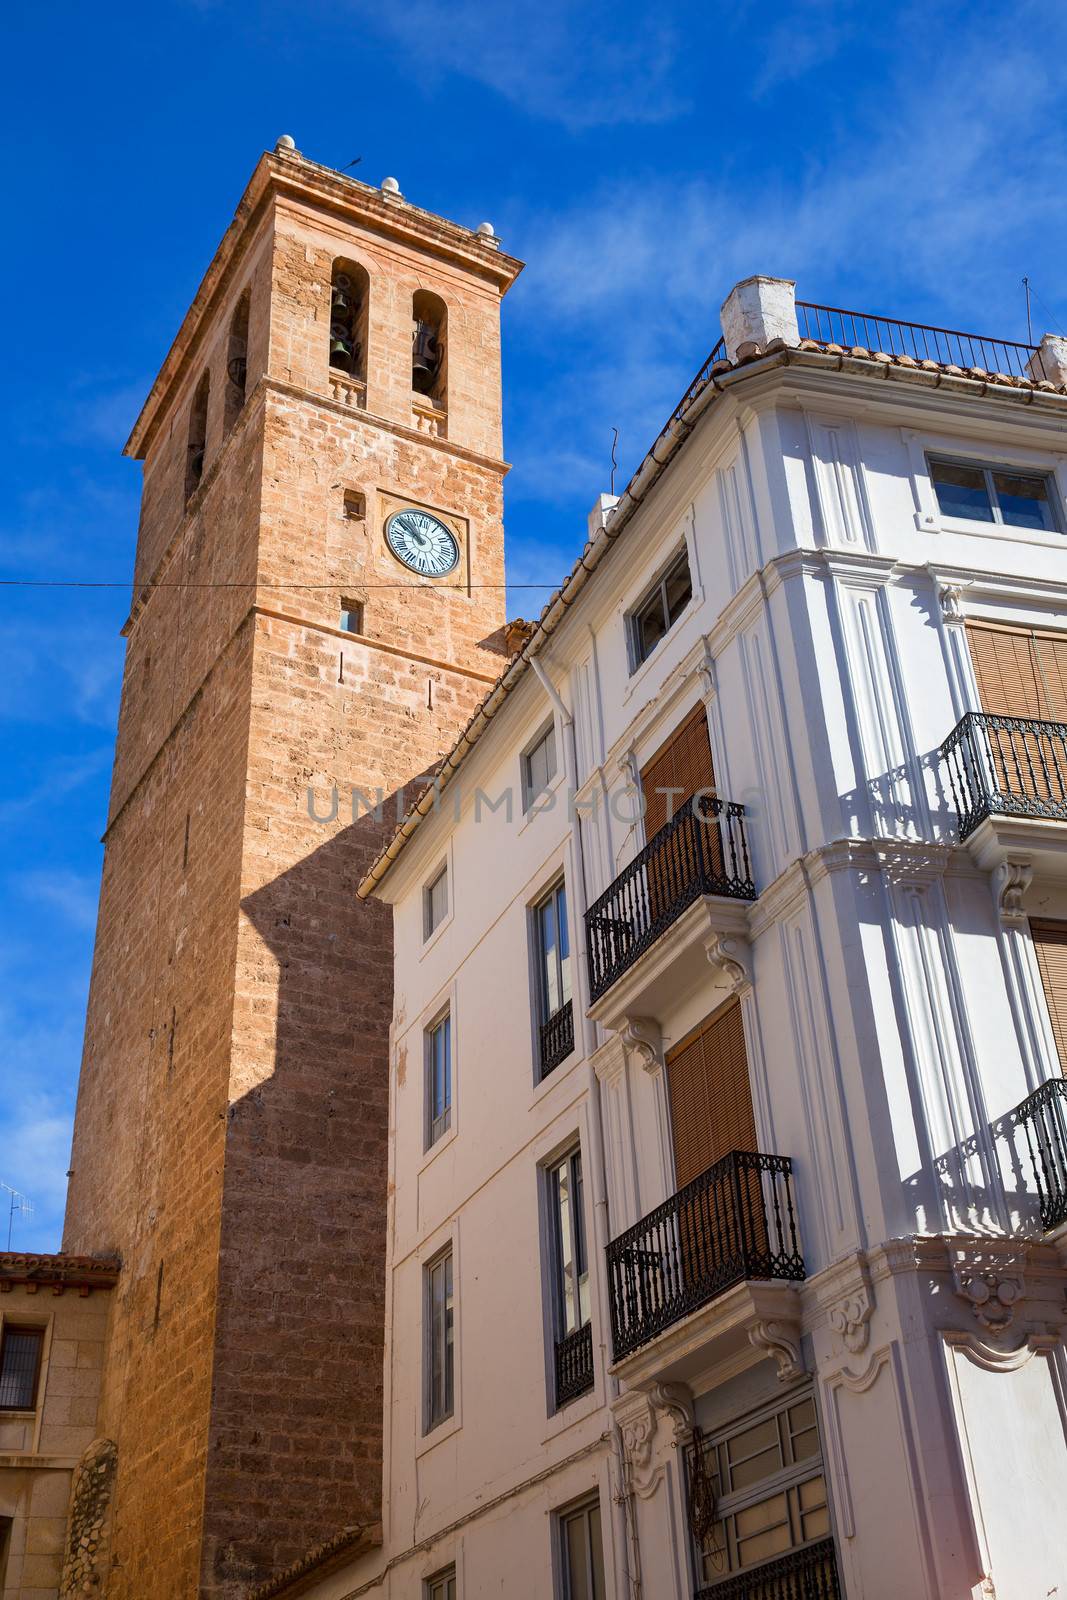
column 684, row 763
column 1020, row 673
column 1050, row 946
column 710, row 1094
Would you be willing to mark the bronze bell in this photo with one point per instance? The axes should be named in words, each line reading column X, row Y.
column 341, row 354
column 237, row 370
column 425, row 358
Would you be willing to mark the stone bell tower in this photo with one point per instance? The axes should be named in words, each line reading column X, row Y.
column 291, row 630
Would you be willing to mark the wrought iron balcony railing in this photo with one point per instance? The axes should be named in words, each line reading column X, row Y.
column 1006, row 766
column 919, row 340
column 807, row 1574
column 702, row 850
column 574, row 1364
column 556, row 1039
column 1042, row 1117
column 735, row 1221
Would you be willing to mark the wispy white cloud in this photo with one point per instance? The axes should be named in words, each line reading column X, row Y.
column 72, row 894
column 575, row 62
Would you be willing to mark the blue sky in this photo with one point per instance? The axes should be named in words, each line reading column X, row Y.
column 640, row 156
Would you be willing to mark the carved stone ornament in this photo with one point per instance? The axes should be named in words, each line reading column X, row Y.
column 733, row 957
column 638, row 1436
column 644, row 1037
column 676, row 1402
column 781, row 1340
column 993, row 1299
column 950, row 599
column 1011, row 879
column 850, row 1319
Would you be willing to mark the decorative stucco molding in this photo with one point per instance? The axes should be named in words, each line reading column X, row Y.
column 1011, row 879
column 950, row 599
column 780, row 1340
column 675, row 1400
column 993, row 1359
column 733, row 957
column 994, row 1297
column 637, row 1424
column 850, row 1319
column 644, row 1037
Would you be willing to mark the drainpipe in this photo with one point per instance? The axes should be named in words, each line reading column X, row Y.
column 623, row 1521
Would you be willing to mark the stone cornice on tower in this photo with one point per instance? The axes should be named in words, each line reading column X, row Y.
column 288, row 174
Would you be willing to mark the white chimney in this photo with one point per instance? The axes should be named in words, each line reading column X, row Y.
column 1050, row 363
column 599, row 514
column 758, row 310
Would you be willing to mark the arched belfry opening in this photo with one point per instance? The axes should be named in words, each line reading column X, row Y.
column 349, row 301
column 429, row 348
column 194, row 459
column 237, row 362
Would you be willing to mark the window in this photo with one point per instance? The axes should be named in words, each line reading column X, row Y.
column 660, row 609
column 438, row 1080
column 351, row 616
column 435, row 903
column 581, row 1552
column 994, row 494
column 556, row 1016
column 538, row 766
column 570, row 1279
column 20, row 1366
column 442, row 1586
column 194, row 462
column 428, row 346
column 349, row 299
column 440, row 1352
column 237, row 363
column 355, row 504
column 764, row 1477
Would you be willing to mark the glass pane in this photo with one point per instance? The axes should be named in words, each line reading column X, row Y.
column 449, row 1350
column 541, row 766
column 550, row 970
column 650, row 625
column 596, row 1552
column 754, row 1454
column 814, row 1512
column 565, row 1247
column 678, row 591
column 802, row 1427
column 1023, row 501
column 436, row 901
column 763, row 1530
column 564, row 944
column 961, row 491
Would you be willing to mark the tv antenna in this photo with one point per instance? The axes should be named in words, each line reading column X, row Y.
column 614, row 458
column 17, row 1202
column 1029, row 327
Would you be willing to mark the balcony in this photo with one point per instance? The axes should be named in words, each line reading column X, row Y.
column 807, row 1574
column 1007, row 779
column 701, row 852
column 556, row 1039
column 735, row 1222
column 1042, row 1121
column 574, row 1364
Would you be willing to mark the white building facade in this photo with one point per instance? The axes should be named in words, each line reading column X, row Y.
column 727, row 1247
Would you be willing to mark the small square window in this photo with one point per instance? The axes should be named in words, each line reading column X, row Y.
column 435, row 902
column 657, row 613
column 20, row 1366
column 355, row 504
column 982, row 493
column 442, row 1586
column 352, row 616
column 538, row 766
column 438, row 1080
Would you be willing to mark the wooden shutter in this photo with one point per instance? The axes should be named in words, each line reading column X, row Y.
column 684, row 762
column 1050, row 947
column 1020, row 674
column 710, row 1094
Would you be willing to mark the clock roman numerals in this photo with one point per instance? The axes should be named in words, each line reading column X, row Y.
column 422, row 543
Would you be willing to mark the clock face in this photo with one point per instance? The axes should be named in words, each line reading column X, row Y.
column 422, row 543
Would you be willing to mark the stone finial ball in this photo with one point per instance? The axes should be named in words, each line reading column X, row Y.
column 486, row 230
column 390, row 186
column 286, row 142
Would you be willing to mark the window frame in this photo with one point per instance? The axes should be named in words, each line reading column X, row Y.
column 436, row 1586
column 579, row 1242
column 936, row 458
column 432, row 1417
column 657, row 589
column 554, row 894
column 442, row 1021
column 429, row 926
column 530, row 795
column 348, row 609
column 8, row 1325
column 561, row 1517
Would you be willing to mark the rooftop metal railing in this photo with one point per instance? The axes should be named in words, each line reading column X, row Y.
column 921, row 341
